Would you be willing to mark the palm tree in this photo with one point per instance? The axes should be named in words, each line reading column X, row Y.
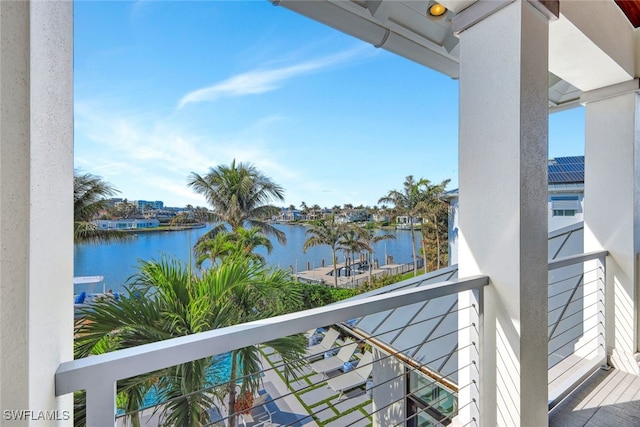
column 432, row 207
column 165, row 301
column 239, row 195
column 369, row 238
column 405, row 203
column 351, row 243
column 214, row 249
column 247, row 240
column 89, row 197
column 329, row 233
column 227, row 243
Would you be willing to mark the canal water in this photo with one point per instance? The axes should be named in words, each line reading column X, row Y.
column 118, row 261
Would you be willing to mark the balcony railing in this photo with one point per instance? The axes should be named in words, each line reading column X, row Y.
column 432, row 370
column 576, row 325
column 415, row 348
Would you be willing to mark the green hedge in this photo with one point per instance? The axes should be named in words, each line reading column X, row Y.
column 319, row 295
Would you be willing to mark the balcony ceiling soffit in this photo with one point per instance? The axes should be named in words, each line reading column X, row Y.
column 403, row 27
column 591, row 53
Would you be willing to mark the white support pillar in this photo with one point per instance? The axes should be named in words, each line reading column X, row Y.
column 503, row 204
column 36, row 209
column 612, row 210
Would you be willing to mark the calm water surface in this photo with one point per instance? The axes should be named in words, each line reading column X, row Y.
column 118, row 261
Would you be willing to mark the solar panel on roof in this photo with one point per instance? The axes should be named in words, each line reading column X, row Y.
column 566, row 170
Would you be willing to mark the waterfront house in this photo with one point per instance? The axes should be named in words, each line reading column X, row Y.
column 126, row 224
column 404, row 222
column 516, row 61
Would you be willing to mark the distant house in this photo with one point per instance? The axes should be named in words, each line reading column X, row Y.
column 288, row 215
column 352, row 215
column 403, row 222
column 380, row 217
column 126, row 224
column 144, row 205
column 565, row 200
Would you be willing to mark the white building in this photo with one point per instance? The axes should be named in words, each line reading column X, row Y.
column 516, row 61
column 126, row 224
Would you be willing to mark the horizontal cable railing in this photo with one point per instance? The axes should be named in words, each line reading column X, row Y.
column 576, row 319
column 371, row 387
column 387, row 346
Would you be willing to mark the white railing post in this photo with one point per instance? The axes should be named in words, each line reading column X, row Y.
column 591, row 345
column 469, row 356
column 101, row 403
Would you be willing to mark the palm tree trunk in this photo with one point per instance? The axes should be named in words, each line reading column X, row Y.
column 370, row 268
column 335, row 272
column 413, row 248
column 435, row 221
column 232, row 390
column 424, row 252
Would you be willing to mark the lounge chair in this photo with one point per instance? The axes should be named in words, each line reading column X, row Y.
column 355, row 378
column 325, row 345
column 335, row 362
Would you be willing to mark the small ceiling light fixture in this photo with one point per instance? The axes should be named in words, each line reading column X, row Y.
column 437, row 10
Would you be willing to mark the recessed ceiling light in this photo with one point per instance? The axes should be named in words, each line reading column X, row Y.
column 437, row 10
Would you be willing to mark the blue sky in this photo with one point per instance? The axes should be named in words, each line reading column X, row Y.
column 163, row 89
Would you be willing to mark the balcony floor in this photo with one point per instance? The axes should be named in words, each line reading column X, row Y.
column 608, row 398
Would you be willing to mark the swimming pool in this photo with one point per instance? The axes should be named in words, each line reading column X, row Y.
column 218, row 373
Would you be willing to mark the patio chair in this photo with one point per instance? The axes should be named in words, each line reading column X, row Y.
column 355, row 378
column 335, row 362
column 326, row 344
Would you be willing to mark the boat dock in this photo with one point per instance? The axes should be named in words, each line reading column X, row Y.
column 324, row 275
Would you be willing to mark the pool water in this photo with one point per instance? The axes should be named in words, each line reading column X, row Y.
column 218, row 373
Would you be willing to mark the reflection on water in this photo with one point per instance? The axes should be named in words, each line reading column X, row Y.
column 117, row 261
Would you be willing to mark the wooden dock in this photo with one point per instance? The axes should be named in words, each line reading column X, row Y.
column 324, row 275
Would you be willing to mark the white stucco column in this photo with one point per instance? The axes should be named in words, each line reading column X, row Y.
column 36, row 209
column 503, row 205
column 612, row 210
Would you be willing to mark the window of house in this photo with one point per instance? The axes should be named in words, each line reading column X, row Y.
column 564, row 212
column 565, row 205
column 428, row 403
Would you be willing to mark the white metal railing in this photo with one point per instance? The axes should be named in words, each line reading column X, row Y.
column 576, row 328
column 99, row 374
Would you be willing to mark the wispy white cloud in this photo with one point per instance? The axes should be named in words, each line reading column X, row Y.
column 266, row 80
column 155, row 155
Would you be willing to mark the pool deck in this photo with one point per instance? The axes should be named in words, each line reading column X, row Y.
column 312, row 401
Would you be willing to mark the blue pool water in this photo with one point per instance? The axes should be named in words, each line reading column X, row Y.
column 219, row 373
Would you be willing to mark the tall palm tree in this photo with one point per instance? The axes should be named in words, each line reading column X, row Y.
column 406, row 203
column 90, row 195
column 369, row 237
column 326, row 232
column 240, row 195
column 165, row 301
column 431, row 207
